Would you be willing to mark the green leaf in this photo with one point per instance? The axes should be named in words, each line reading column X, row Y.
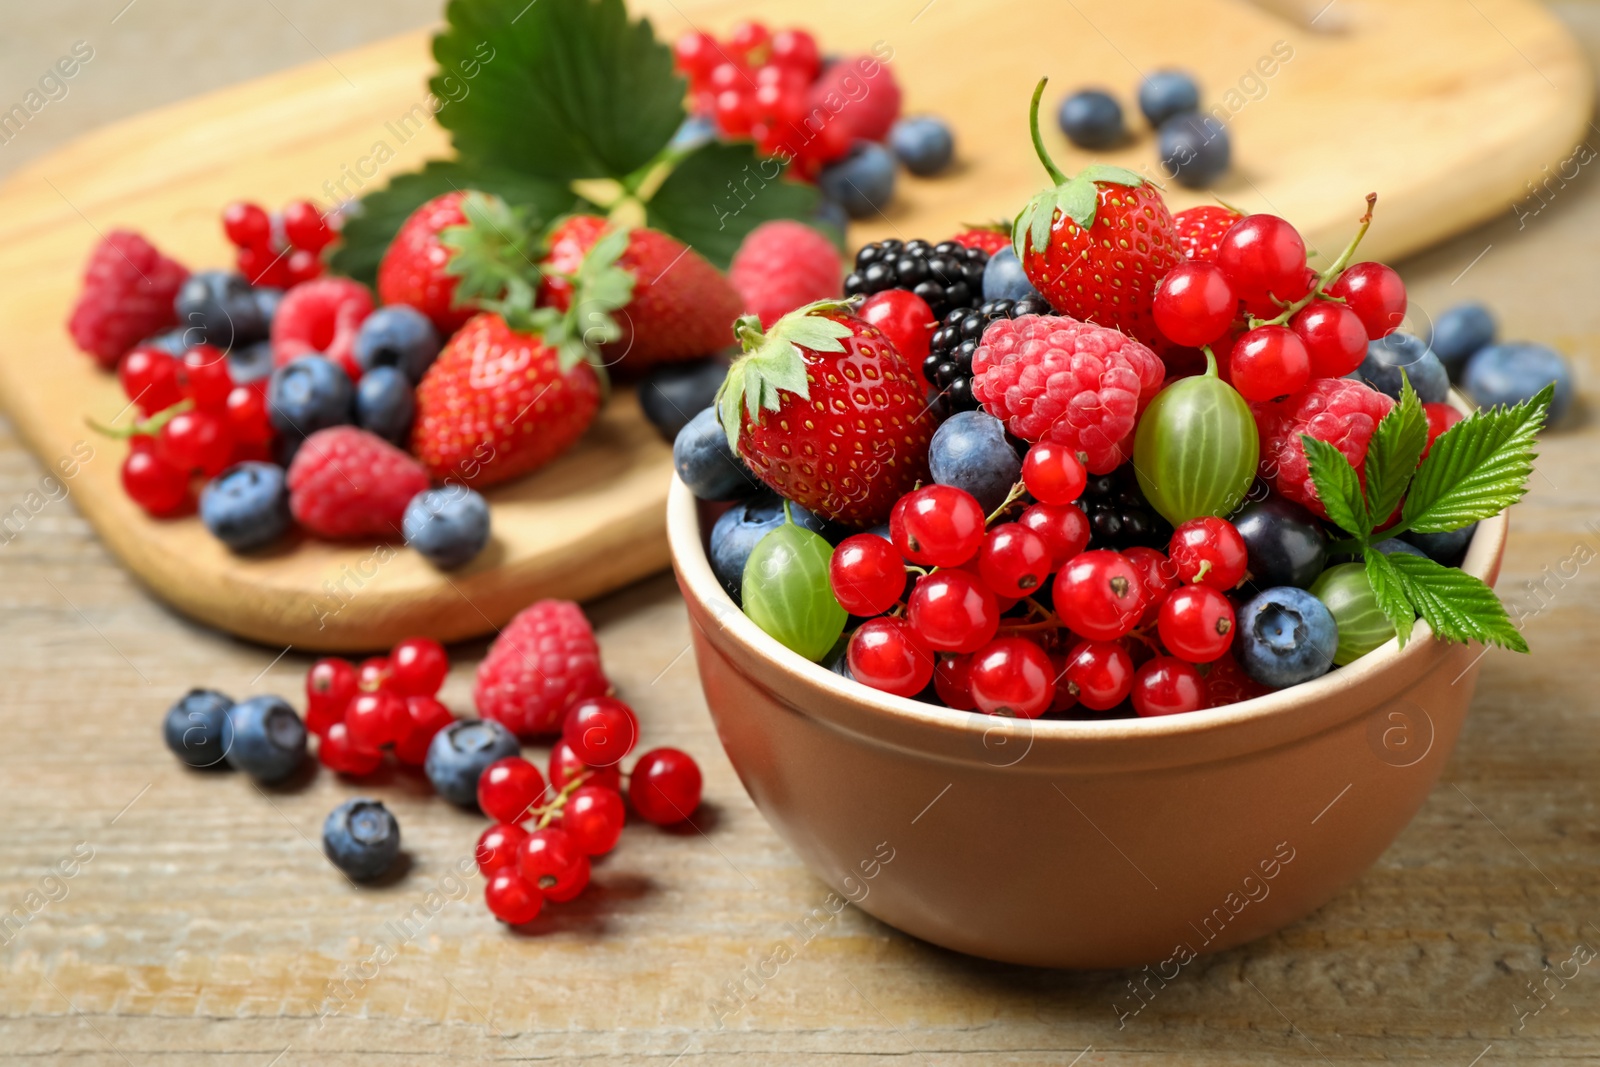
column 1105, row 172
column 1477, row 468
column 719, row 193
column 1337, row 486
column 1458, row 606
column 366, row 235
column 774, row 364
column 1393, row 452
column 1077, row 200
column 564, row 89
column 494, row 253
column 1391, row 597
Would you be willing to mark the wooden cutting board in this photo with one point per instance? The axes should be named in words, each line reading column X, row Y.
column 1447, row 110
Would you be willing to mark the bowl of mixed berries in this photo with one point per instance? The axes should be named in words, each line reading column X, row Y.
column 1135, row 601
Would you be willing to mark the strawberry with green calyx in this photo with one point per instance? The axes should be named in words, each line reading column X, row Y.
column 1096, row 245
column 826, row 412
column 491, row 253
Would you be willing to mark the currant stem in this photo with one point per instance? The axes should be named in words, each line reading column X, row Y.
column 1055, row 172
column 1329, row 273
column 552, row 809
column 146, row 428
column 1015, row 494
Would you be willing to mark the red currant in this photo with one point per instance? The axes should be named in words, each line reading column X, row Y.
column 664, row 786
column 509, row 788
column 262, row 266
column 565, row 766
column 1269, row 362
column 1195, row 304
column 512, row 898
column 728, row 75
column 600, row 731
column 1100, row 674
column 1012, row 677
column 417, row 667
column 373, row 674
column 195, row 441
column 1196, row 623
column 952, row 680
column 376, row 719
column 150, row 379
column 1334, row 338
column 748, row 36
column 330, row 686
column 154, row 484
column 1053, row 473
column 337, row 752
column 1263, row 256
column 1376, row 294
column 939, row 526
column 780, row 105
column 697, row 54
column 735, row 112
column 1158, row 577
column 498, row 846
column 867, row 575
column 246, row 225
column 886, row 654
column 426, row 718
column 1099, row 595
column 952, row 611
column 550, row 859
column 1440, row 418
column 798, row 50
column 248, row 421
column 904, row 318
column 1167, row 686
column 206, row 380
column 1209, row 551
column 1014, row 561
column 301, row 266
column 593, row 818
column 305, row 228
column 1064, row 528
column 1066, row 697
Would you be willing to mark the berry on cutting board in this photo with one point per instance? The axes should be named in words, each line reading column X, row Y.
column 1513, row 372
column 397, row 335
column 782, row 265
column 449, row 526
column 415, row 267
column 923, row 144
column 862, row 181
column 345, row 482
column 1166, row 93
column 1092, row 118
column 309, row 394
column 246, row 506
column 321, row 317
column 1194, row 149
column 127, row 296
column 1461, row 332
column 361, row 838
column 385, row 404
column 673, row 393
column 220, row 308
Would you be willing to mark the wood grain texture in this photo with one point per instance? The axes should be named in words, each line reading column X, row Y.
column 1448, row 137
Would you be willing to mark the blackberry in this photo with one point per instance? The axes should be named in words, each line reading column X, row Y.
column 946, row 275
column 948, row 367
column 1119, row 516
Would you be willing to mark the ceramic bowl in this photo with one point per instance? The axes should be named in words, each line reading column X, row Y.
column 1079, row 844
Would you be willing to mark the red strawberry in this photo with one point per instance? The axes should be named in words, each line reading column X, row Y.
column 1200, row 230
column 989, row 238
column 661, row 299
column 461, row 233
column 826, row 412
column 499, row 402
column 1096, row 245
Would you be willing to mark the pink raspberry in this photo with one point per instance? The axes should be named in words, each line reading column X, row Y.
column 783, row 265
column 321, row 316
column 1053, row 378
column 544, row 661
column 862, row 92
column 345, row 482
column 1339, row 411
column 128, row 290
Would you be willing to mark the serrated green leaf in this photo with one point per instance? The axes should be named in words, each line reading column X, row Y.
column 563, row 89
column 494, row 254
column 1393, row 452
column 1105, row 172
column 1077, row 200
column 1477, row 468
column 730, row 394
column 1456, row 605
column 367, row 232
column 1391, row 597
column 1337, row 486
column 720, row 192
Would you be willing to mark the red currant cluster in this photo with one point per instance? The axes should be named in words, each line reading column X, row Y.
column 1283, row 322
column 279, row 250
column 358, row 710
column 986, row 625
column 197, row 422
column 580, row 814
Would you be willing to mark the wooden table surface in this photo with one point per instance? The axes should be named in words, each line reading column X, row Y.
column 201, row 924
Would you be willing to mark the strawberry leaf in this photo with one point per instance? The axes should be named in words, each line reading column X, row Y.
column 774, row 364
column 1477, row 468
column 1393, row 452
column 1456, row 605
column 1105, row 172
column 1390, row 594
column 719, row 193
column 1337, row 486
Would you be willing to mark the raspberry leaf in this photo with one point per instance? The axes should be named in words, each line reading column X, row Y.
column 1393, row 452
column 1338, row 487
column 1477, row 468
column 773, row 362
column 1390, row 594
column 1456, row 605
column 720, row 192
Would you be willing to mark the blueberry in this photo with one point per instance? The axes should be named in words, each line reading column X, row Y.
column 1388, row 356
column 923, row 144
column 671, row 393
column 862, row 182
column 385, row 404
column 1510, row 373
column 248, row 364
column 219, row 307
column 1194, row 149
column 361, row 838
column 1167, row 93
column 175, row 342
column 830, row 217
column 706, row 462
column 264, row 738
column 460, row 752
column 970, row 451
column 448, row 526
column 1285, row 542
column 1447, row 548
column 1286, row 636
column 1458, row 333
column 193, row 727
column 267, row 300
column 1003, row 278
column 1092, row 118
column 1393, row 546
column 246, row 506
column 736, row 531
column 309, row 394
column 397, row 335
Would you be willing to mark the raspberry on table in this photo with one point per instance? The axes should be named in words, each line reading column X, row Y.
column 1340, row 411
column 346, row 482
column 544, row 661
column 1054, row 378
column 783, row 265
column 128, row 293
